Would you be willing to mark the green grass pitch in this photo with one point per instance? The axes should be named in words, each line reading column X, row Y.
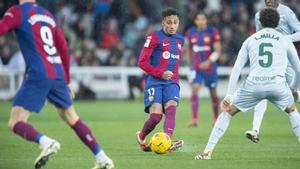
column 114, row 124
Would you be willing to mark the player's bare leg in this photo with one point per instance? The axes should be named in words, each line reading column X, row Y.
column 155, row 117
column 215, row 102
column 18, row 124
column 219, row 129
column 194, row 101
column 295, row 120
column 84, row 133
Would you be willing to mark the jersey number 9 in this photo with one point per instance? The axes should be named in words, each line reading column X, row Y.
column 47, row 38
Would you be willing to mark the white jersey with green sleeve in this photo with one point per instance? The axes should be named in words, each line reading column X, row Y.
column 288, row 23
column 268, row 53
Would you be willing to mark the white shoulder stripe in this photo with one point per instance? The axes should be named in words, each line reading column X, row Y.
column 9, row 14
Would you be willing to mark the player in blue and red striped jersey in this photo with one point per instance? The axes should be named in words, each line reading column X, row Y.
column 204, row 42
column 160, row 60
column 47, row 60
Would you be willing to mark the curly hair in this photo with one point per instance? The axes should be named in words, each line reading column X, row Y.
column 269, row 18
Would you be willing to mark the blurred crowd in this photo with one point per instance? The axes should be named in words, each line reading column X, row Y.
column 112, row 32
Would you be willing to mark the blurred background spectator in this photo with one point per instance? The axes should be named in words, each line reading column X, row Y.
column 112, row 32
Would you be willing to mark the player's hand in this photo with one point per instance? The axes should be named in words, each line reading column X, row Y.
column 205, row 65
column 191, row 75
column 295, row 94
column 71, row 91
column 167, row 75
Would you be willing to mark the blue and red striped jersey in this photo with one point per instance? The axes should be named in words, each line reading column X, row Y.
column 41, row 41
column 161, row 52
column 202, row 45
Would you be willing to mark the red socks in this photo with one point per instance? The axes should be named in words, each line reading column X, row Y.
column 150, row 124
column 26, row 131
column 169, row 124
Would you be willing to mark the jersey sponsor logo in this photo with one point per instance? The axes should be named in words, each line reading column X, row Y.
column 54, row 59
column 179, row 46
column 147, row 43
column 197, row 48
column 41, row 18
column 168, row 55
column 263, row 78
column 165, row 44
column 206, row 39
column 151, row 98
column 194, row 40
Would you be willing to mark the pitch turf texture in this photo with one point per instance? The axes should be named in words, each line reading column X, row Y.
column 114, row 124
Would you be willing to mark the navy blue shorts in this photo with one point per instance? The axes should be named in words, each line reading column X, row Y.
column 161, row 94
column 210, row 79
column 33, row 94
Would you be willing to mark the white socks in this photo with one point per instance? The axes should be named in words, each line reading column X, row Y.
column 101, row 157
column 295, row 122
column 218, row 130
column 44, row 141
column 259, row 111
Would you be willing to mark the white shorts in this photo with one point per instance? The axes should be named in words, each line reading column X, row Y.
column 248, row 96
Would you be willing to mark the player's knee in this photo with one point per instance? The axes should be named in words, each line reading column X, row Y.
column 69, row 115
column 290, row 109
column 157, row 118
column 195, row 89
column 170, row 103
column 195, row 92
column 18, row 114
column 156, row 108
column 11, row 124
column 232, row 110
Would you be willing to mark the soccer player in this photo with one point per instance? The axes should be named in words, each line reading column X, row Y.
column 288, row 25
column 268, row 53
column 159, row 58
column 47, row 61
column 204, row 41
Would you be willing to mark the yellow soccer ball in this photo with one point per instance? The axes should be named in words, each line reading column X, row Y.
column 160, row 143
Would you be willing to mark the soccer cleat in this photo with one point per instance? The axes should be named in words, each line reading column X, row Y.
column 252, row 135
column 143, row 143
column 47, row 151
column 193, row 123
column 176, row 145
column 203, row 155
column 104, row 165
